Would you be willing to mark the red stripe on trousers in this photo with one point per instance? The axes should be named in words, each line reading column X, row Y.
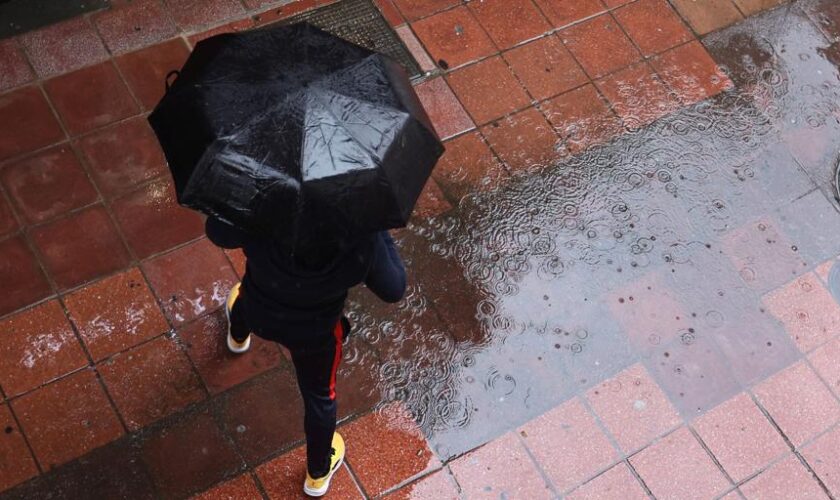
column 338, row 332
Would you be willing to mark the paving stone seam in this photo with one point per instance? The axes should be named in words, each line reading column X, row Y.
column 535, row 463
column 710, row 454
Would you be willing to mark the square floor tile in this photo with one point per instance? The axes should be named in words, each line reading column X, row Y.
column 786, row 479
column 81, row 247
column 63, row 47
column 386, row 449
column 705, row 16
column 510, row 22
column 152, row 221
column 190, row 281
column 131, row 25
column 189, row 456
column 40, row 346
column 237, row 260
column 488, row 90
column 283, row 476
column 691, row 473
column 48, row 184
column 467, row 166
column 633, row 408
column 416, row 48
column 145, row 70
column 232, row 27
column 823, row 457
column 90, row 98
column 66, row 419
column 653, row 25
column 16, row 70
column 525, row 141
column 28, row 122
column 415, row 9
column 251, row 412
column 432, row 201
column 691, row 72
column 16, row 462
column 826, row 361
column 600, row 46
column 116, row 313
column 568, row 445
column 219, row 368
column 582, row 118
column 150, row 382
column 123, row 155
column 445, row 111
column 637, row 95
column 617, row 483
column 810, row 314
column 500, row 469
column 454, row 38
column 545, row 67
column 798, row 402
column 21, row 273
column 740, row 437
column 390, row 12
column 191, row 14
column 439, row 486
column 750, row 7
column 562, row 13
column 242, row 487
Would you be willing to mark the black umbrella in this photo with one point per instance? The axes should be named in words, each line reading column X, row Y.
column 280, row 129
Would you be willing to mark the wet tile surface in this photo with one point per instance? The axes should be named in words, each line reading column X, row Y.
column 637, row 95
column 468, row 165
column 821, row 455
column 600, row 46
column 562, row 13
column 145, row 70
column 242, row 487
column 615, row 483
column 24, row 277
column 192, row 13
column 582, row 118
column 488, row 90
column 63, row 47
column 691, row 72
column 445, row 111
column 807, row 309
column 283, row 478
column 826, row 361
column 709, row 15
column 524, row 141
column 29, row 123
column 16, row 462
column 454, row 37
column 495, row 16
column 437, row 485
column 784, row 479
column 545, row 67
column 16, row 69
column 131, row 25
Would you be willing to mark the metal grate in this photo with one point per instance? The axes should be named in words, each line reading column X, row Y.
column 360, row 22
column 19, row 16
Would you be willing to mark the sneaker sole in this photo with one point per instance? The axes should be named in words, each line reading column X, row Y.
column 323, row 490
column 230, row 342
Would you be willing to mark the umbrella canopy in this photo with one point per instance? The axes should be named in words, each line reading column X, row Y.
column 280, row 129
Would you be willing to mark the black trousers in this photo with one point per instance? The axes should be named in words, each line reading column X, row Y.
column 316, row 361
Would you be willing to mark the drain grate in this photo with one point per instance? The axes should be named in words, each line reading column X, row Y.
column 360, row 22
column 19, row 16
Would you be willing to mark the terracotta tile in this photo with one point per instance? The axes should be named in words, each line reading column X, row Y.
column 219, row 368
column 432, row 201
column 123, row 155
column 16, row 70
column 16, row 462
column 178, row 467
column 786, row 479
column 617, row 483
column 191, row 14
column 240, row 488
column 633, row 408
column 545, row 67
column 807, row 309
column 286, row 11
column 823, row 458
column 445, row 111
column 416, row 48
column 510, row 22
column 152, row 221
column 468, row 165
column 612, row 4
column 145, row 70
column 568, row 445
column 562, row 13
column 488, row 90
column 750, row 7
column 705, row 16
column 637, row 95
column 67, row 419
column 282, row 478
column 740, row 437
column 826, row 361
column 653, row 25
column 22, row 275
column 8, row 222
column 600, row 46
column 233, row 27
column 454, row 38
column 28, row 122
column 691, row 471
column 826, row 14
column 131, row 25
column 190, row 281
column 81, row 247
column 237, row 260
column 691, row 72
column 63, row 47
column 525, row 141
column 582, row 118
column 386, row 448
column 798, row 402
column 90, row 98
column 439, row 486
column 48, row 184
column 500, row 469
column 650, row 312
column 390, row 12
column 415, row 9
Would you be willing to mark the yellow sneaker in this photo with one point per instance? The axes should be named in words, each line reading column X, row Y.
column 318, row 487
column 233, row 345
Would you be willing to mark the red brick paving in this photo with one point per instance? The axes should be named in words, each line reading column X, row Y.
column 652, row 25
column 467, row 165
column 708, row 15
column 545, row 67
column 690, row 72
column 447, row 113
column 495, row 16
column 582, row 118
column 242, row 487
column 600, row 46
column 283, row 478
column 524, row 141
column 454, row 37
column 562, row 13
column 16, row 463
column 488, row 90
column 637, row 95
column 28, row 122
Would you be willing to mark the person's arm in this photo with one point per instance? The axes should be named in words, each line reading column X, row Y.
column 386, row 277
column 223, row 234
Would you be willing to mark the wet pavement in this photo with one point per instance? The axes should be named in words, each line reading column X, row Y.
column 625, row 259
